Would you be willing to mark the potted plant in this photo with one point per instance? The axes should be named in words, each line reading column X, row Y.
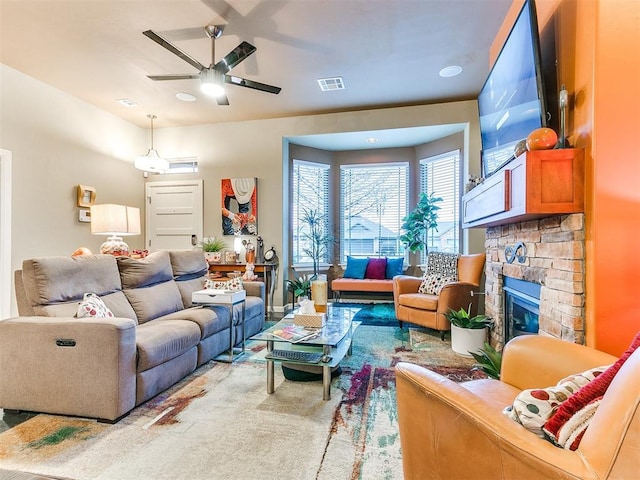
column 468, row 333
column 212, row 248
column 489, row 361
column 422, row 218
column 300, row 286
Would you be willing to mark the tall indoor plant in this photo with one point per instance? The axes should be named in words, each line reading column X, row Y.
column 422, row 218
column 314, row 232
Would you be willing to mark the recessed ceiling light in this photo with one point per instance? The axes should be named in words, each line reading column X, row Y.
column 185, row 97
column 450, row 71
column 372, row 140
column 127, row 102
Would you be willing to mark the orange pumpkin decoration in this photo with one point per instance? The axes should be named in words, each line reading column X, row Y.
column 542, row 139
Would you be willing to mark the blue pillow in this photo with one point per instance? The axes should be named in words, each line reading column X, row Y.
column 356, row 267
column 395, row 267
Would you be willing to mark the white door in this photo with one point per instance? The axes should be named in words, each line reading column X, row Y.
column 173, row 217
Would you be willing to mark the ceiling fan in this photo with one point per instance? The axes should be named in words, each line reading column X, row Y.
column 213, row 77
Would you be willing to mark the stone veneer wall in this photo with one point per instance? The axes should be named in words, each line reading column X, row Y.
column 555, row 252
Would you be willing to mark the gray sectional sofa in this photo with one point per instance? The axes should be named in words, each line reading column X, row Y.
column 53, row 362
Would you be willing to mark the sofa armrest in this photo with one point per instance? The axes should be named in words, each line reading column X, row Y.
column 255, row 289
column 536, row 361
column 438, row 418
column 69, row 366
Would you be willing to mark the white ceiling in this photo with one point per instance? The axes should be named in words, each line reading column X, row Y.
column 388, row 52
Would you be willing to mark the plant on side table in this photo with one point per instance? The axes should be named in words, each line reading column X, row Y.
column 300, row 286
column 212, row 248
column 468, row 333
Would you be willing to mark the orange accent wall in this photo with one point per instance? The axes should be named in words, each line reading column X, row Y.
column 598, row 43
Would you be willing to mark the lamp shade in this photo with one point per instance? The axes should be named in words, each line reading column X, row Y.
column 151, row 162
column 115, row 221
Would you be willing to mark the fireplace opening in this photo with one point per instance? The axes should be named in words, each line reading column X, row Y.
column 521, row 307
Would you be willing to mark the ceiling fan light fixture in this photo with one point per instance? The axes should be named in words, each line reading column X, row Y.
column 211, row 83
column 152, row 161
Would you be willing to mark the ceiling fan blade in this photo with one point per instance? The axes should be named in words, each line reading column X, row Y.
column 222, row 100
column 173, row 49
column 243, row 82
column 234, row 57
column 174, row 77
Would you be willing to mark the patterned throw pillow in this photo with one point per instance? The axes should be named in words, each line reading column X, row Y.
column 233, row 284
column 445, row 264
column 93, row 306
column 442, row 268
column 432, row 283
column 568, row 424
column 532, row 408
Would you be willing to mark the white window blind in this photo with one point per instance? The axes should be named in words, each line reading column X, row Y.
column 373, row 202
column 310, row 191
column 441, row 175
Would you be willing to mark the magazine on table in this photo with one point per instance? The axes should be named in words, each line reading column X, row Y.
column 295, row 333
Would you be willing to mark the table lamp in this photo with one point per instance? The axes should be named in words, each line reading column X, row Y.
column 115, row 221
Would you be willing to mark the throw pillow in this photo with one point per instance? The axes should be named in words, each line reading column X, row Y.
column 233, row 284
column 356, row 267
column 376, row 268
column 532, row 408
column 395, row 267
column 93, row 306
column 445, row 264
column 567, row 426
column 432, row 283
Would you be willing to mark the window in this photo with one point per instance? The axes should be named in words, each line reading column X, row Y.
column 441, row 175
column 373, row 202
column 310, row 192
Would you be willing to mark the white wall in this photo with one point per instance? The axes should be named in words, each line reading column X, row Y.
column 59, row 141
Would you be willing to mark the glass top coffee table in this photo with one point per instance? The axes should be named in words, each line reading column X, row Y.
column 332, row 342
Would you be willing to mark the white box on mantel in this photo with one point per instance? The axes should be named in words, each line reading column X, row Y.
column 218, row 296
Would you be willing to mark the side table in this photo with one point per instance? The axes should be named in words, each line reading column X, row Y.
column 230, row 299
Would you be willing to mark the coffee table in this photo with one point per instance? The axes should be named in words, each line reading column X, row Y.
column 333, row 339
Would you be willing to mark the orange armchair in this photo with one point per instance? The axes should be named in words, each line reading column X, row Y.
column 428, row 310
column 454, row 430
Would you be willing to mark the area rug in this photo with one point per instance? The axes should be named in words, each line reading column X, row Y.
column 381, row 314
column 219, row 423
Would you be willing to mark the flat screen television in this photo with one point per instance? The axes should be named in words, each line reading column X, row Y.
column 512, row 102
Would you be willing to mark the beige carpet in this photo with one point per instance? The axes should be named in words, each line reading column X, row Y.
column 219, row 423
column 234, row 431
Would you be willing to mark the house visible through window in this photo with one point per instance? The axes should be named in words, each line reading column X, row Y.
column 310, row 193
column 373, row 202
column 441, row 175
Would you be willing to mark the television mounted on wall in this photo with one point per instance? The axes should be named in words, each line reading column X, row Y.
column 512, row 102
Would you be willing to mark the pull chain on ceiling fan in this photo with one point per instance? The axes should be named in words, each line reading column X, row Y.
column 213, row 77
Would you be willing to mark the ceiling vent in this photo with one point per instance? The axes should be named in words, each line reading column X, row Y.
column 331, row 84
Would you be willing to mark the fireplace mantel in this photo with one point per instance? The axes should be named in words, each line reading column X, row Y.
column 536, row 184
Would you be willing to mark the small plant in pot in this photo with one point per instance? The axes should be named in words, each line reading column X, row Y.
column 468, row 332
column 212, row 248
column 300, row 286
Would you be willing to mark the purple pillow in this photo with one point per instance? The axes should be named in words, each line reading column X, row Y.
column 376, row 268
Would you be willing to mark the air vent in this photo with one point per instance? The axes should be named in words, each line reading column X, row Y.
column 331, row 84
column 127, row 102
column 183, row 165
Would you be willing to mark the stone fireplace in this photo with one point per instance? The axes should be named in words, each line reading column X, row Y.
column 548, row 252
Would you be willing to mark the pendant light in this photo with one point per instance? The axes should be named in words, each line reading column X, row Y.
column 152, row 161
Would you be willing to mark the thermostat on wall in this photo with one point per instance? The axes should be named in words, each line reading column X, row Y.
column 84, row 216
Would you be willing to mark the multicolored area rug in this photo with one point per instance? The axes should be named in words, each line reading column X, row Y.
column 382, row 314
column 219, row 422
